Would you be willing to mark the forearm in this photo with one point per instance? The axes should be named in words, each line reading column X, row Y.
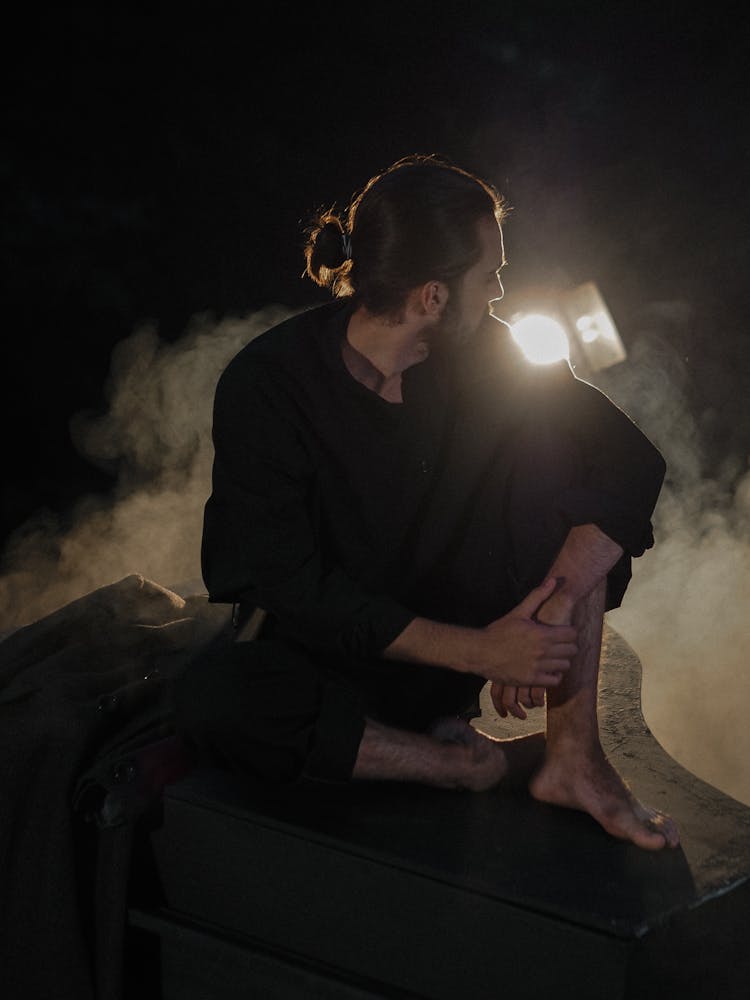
column 437, row 644
column 514, row 649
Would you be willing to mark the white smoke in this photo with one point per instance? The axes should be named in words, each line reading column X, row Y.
column 686, row 611
column 156, row 438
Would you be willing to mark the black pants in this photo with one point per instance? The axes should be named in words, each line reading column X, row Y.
column 278, row 712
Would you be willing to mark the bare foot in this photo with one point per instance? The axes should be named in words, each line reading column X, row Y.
column 490, row 761
column 587, row 781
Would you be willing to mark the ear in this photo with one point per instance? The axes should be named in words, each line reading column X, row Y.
column 433, row 298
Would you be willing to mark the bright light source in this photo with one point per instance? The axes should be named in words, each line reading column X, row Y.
column 541, row 338
column 580, row 330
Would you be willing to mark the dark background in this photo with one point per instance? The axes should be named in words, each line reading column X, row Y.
column 159, row 166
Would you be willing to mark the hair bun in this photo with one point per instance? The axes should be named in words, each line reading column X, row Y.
column 328, row 251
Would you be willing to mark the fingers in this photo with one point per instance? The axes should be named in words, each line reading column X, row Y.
column 523, row 697
column 555, row 652
column 509, row 699
column 560, row 635
column 550, row 680
column 552, row 665
column 530, row 697
column 505, row 700
column 528, row 655
column 535, row 599
column 566, row 648
column 496, row 694
column 552, row 642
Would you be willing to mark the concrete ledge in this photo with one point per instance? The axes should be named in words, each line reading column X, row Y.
column 388, row 890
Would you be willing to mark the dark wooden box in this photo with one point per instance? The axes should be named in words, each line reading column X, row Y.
column 385, row 890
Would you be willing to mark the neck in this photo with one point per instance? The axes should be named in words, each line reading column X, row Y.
column 378, row 351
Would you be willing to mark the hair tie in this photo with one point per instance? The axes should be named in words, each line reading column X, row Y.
column 346, row 246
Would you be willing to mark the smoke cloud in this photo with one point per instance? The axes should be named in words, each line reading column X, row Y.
column 156, row 439
column 685, row 613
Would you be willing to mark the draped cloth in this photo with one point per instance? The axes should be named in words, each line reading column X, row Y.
column 81, row 691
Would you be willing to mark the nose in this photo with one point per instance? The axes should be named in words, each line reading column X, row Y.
column 494, row 306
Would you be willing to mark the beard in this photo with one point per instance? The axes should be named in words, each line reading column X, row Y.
column 455, row 329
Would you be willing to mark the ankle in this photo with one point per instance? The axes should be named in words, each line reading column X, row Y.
column 569, row 748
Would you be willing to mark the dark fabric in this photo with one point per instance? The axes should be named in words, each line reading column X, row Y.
column 81, row 690
column 297, row 522
column 345, row 516
column 333, row 509
column 263, row 709
column 268, row 710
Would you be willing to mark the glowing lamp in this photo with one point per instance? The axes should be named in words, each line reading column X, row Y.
column 581, row 331
column 541, row 338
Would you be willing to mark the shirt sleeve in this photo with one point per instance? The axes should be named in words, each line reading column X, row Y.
column 259, row 540
column 624, row 471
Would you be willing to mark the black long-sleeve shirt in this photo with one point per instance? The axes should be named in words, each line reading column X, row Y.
column 335, row 510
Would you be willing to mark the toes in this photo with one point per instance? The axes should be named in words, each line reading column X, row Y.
column 667, row 827
column 654, row 832
column 658, row 822
column 630, row 827
column 650, row 840
column 643, row 826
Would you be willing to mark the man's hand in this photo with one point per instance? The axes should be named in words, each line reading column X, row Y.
column 514, row 651
column 523, row 653
column 507, row 698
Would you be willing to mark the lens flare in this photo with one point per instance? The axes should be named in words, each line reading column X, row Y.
column 541, row 338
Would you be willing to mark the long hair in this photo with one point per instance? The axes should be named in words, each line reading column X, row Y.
column 412, row 223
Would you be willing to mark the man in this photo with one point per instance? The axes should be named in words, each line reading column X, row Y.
column 417, row 513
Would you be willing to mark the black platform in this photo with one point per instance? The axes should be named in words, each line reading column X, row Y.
column 386, row 890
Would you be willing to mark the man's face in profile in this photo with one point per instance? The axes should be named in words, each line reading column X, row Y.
column 468, row 303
